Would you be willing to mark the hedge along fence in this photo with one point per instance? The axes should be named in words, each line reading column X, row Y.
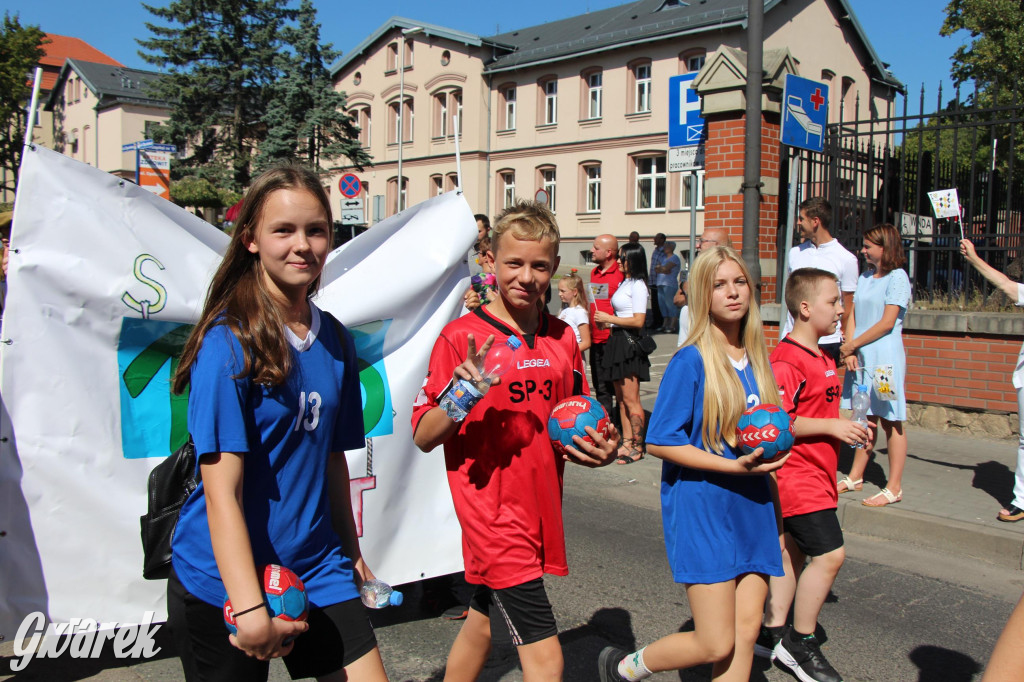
column 956, row 360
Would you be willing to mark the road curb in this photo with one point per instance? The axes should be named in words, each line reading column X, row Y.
column 1003, row 548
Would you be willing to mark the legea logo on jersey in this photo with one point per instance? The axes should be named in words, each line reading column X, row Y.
column 154, row 421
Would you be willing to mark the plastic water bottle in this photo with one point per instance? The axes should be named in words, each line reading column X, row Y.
column 377, row 594
column 861, row 402
column 464, row 394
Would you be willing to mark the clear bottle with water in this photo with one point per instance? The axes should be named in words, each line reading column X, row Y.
column 377, row 594
column 861, row 402
column 464, row 394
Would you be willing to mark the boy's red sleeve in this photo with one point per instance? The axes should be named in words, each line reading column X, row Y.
column 791, row 383
column 444, row 358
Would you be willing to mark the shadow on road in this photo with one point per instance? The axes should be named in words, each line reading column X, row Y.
column 939, row 663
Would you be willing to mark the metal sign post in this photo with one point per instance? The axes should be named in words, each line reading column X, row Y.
column 794, row 189
column 687, row 133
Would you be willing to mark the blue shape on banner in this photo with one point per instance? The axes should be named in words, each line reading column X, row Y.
column 378, row 413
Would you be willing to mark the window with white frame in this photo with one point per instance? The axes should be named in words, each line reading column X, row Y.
column 685, row 193
column 695, row 62
column 642, row 101
column 594, row 95
column 593, row 189
column 437, row 184
column 510, row 107
column 457, row 104
column 550, row 101
column 441, row 111
column 547, row 176
column 392, row 64
column 508, row 188
column 650, row 183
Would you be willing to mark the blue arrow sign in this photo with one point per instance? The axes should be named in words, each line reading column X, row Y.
column 685, row 125
column 804, row 113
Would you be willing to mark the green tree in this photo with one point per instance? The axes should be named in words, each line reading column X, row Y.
column 21, row 48
column 306, row 119
column 219, row 58
column 994, row 57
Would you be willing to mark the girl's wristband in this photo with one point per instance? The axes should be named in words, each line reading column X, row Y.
column 261, row 605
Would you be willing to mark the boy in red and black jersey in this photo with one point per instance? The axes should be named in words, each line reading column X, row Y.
column 505, row 477
column 810, row 390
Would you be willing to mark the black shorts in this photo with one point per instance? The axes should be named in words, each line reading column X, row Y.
column 525, row 609
column 815, row 533
column 338, row 635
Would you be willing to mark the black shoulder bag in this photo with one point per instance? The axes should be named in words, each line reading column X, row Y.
column 170, row 484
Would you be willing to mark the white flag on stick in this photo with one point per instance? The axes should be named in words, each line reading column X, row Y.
column 945, row 203
column 102, row 285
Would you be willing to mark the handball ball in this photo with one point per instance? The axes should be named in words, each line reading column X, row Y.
column 768, row 427
column 571, row 416
column 285, row 596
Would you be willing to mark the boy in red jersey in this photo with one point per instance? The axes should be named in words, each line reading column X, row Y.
column 505, row 478
column 810, row 391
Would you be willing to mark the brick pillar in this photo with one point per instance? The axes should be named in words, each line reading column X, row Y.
column 721, row 85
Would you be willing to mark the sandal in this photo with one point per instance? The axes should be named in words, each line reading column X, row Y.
column 1011, row 513
column 850, row 484
column 887, row 498
column 625, row 448
column 635, row 455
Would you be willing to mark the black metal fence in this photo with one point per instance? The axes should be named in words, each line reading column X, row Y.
column 880, row 170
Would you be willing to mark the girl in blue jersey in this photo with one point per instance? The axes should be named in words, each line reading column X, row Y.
column 274, row 403
column 719, row 506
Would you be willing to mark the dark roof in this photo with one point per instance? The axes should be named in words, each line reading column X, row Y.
column 111, row 84
column 641, row 22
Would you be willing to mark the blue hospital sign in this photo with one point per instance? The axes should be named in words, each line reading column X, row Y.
column 804, row 113
column 685, row 126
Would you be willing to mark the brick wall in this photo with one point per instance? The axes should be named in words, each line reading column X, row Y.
column 965, row 369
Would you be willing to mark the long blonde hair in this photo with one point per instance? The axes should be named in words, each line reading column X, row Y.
column 724, row 396
column 578, row 289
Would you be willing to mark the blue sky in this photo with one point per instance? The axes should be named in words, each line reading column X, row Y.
column 905, row 33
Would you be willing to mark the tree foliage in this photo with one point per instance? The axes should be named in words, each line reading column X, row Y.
column 21, row 48
column 219, row 62
column 994, row 57
column 305, row 119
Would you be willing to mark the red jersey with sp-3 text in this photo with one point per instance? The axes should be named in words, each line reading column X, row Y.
column 809, row 387
column 505, row 477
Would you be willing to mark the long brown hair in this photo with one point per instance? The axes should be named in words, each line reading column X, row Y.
column 238, row 295
column 724, row 397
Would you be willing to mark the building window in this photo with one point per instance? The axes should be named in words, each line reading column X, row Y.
column 451, row 182
column 447, row 113
column 849, row 100
column 362, row 119
column 357, row 78
column 642, row 98
column 397, row 202
column 509, row 94
column 73, row 142
column 650, row 183
column 547, row 183
column 436, row 185
column 408, row 53
column 593, row 188
column 392, row 57
column 405, row 121
column 549, row 101
column 594, row 105
column 508, row 188
column 446, row 58
column 695, row 62
column 685, row 201
column 441, row 112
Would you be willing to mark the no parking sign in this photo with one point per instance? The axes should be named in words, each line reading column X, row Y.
column 350, row 186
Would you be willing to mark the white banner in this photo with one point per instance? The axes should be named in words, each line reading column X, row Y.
column 103, row 277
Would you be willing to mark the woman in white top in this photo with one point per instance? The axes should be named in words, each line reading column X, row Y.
column 624, row 361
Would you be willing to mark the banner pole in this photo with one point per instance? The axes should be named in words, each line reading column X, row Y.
column 32, row 106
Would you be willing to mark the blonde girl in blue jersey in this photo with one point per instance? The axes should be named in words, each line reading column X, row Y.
column 719, row 506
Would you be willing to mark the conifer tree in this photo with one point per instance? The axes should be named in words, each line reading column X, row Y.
column 219, row 62
column 305, row 118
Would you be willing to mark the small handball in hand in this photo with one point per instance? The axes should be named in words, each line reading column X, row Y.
column 285, row 597
column 571, row 417
column 768, row 427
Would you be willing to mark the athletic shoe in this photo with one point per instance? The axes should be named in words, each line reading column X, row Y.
column 766, row 641
column 800, row 653
column 608, row 664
